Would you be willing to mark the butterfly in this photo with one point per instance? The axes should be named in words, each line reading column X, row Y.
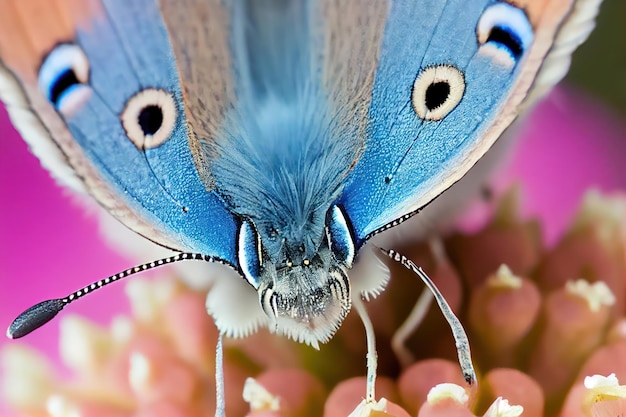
column 276, row 137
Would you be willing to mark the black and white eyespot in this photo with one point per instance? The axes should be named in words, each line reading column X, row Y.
column 149, row 118
column 504, row 33
column 436, row 91
column 63, row 78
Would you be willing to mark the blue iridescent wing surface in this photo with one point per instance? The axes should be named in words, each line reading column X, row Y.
column 497, row 51
column 155, row 190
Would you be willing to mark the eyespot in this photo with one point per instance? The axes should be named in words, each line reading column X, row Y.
column 149, row 118
column 436, row 91
column 504, row 33
column 63, row 78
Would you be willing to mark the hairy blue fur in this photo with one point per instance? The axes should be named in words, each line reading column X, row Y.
column 285, row 150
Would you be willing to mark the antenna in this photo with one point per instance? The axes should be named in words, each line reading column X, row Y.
column 460, row 337
column 39, row 314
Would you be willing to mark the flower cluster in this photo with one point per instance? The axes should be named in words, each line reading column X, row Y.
column 539, row 321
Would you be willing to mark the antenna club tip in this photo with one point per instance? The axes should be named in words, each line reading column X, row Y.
column 470, row 379
column 34, row 317
column 41, row 313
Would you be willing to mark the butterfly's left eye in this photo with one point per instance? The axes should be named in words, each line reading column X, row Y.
column 504, row 33
column 63, row 78
column 149, row 117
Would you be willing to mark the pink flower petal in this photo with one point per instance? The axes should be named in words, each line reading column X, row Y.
column 300, row 393
column 417, row 380
column 516, row 387
column 348, row 394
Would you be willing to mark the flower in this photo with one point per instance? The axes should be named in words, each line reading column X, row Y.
column 535, row 336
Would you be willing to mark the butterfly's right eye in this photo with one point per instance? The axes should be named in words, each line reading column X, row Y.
column 63, row 78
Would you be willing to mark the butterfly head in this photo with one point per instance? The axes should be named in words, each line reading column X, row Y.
column 307, row 302
column 305, row 298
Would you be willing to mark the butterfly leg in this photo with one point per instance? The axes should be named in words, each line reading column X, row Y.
column 220, row 405
column 420, row 309
column 406, row 329
column 372, row 356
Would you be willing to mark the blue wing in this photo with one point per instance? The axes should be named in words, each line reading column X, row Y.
column 451, row 76
column 118, row 50
column 405, row 143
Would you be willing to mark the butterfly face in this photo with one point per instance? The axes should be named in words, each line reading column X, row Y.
column 276, row 137
column 306, row 296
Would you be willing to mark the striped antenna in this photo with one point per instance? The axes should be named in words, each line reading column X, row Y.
column 39, row 314
column 460, row 337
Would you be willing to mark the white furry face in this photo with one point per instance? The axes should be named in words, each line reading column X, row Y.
column 306, row 302
column 304, row 297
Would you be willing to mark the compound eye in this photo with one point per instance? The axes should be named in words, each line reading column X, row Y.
column 249, row 253
column 63, row 78
column 149, row 118
column 437, row 91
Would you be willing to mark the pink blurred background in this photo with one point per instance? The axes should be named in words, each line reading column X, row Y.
column 49, row 245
